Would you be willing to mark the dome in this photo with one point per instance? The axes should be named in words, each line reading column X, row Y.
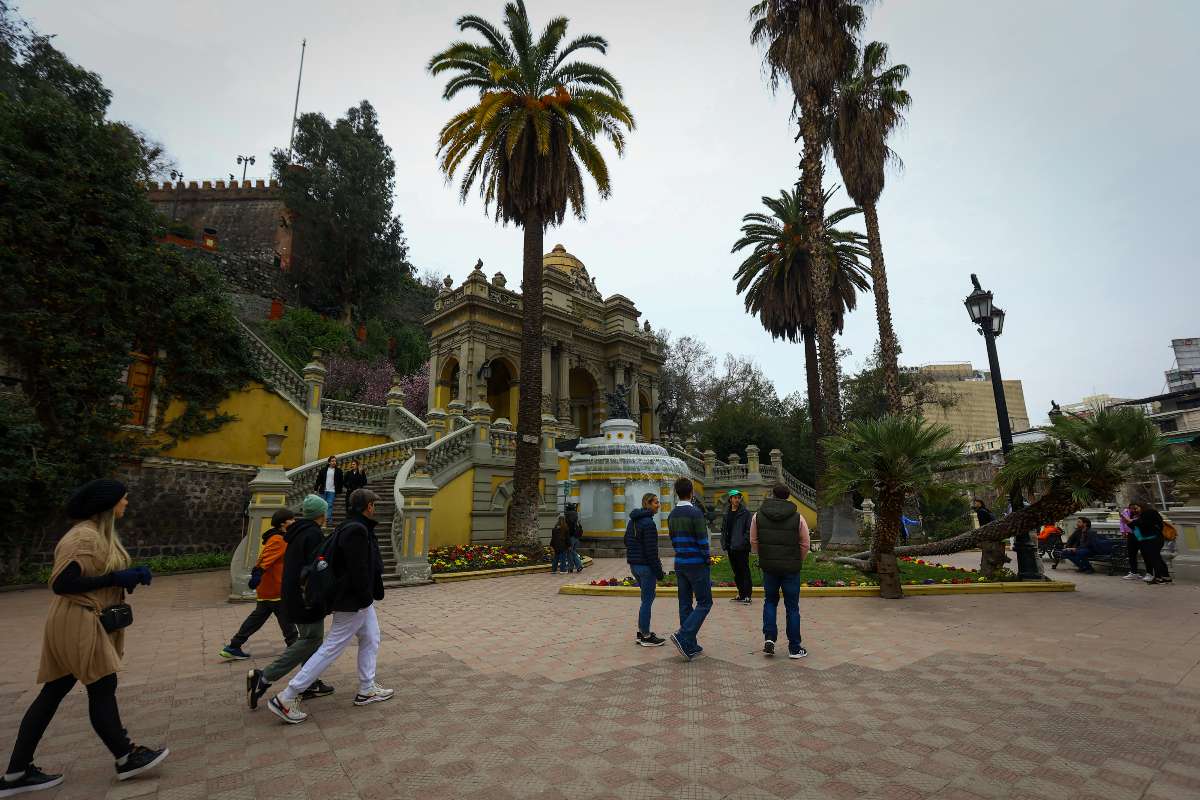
column 560, row 259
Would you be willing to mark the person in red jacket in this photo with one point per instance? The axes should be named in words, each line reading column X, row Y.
column 266, row 579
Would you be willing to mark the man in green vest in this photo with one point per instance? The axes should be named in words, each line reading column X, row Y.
column 779, row 534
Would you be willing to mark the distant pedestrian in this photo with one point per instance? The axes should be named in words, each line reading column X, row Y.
column 358, row 569
column 560, row 543
column 735, row 541
column 641, row 551
column 905, row 524
column 84, row 640
column 1131, row 543
column 690, row 541
column 1148, row 530
column 303, row 539
column 266, row 579
column 982, row 514
column 779, row 534
column 330, row 482
column 354, row 479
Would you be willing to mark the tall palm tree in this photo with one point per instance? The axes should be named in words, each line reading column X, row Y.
column 888, row 459
column 529, row 142
column 812, row 43
column 869, row 105
column 777, row 276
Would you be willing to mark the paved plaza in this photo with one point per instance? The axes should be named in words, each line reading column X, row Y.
column 506, row 689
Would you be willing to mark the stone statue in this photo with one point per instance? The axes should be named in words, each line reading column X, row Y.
column 618, row 403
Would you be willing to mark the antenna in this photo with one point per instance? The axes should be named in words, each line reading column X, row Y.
column 296, row 107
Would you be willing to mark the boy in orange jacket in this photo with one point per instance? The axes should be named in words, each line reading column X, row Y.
column 266, row 579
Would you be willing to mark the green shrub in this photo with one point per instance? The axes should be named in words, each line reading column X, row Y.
column 299, row 331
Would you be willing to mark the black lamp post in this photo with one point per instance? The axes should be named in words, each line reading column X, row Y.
column 245, row 161
column 990, row 319
column 176, row 176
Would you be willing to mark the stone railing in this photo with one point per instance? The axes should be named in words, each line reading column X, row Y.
column 378, row 461
column 275, row 371
column 450, row 450
column 693, row 463
column 504, row 442
column 731, row 472
column 408, row 423
column 769, row 472
column 339, row 415
column 798, row 488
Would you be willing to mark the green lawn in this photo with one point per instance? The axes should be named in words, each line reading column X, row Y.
column 829, row 573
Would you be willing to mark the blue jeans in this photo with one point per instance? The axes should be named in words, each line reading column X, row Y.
column 329, row 498
column 562, row 561
column 1079, row 558
column 693, row 581
column 576, row 559
column 647, row 582
column 789, row 583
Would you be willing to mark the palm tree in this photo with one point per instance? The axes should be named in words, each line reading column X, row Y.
column 777, row 280
column 869, row 105
column 529, row 142
column 812, row 43
column 888, row 459
column 1081, row 460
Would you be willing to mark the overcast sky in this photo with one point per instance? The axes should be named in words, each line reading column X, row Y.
column 1050, row 149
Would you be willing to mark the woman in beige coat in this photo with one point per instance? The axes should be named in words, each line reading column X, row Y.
column 91, row 572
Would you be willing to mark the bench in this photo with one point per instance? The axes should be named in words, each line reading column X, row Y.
column 1117, row 559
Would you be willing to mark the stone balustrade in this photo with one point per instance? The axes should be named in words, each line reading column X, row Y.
column 274, row 370
column 338, row 415
column 381, row 459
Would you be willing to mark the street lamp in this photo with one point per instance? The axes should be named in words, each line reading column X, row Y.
column 990, row 319
column 245, row 161
column 176, row 176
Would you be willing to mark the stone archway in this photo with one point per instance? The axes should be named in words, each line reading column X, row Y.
column 447, row 384
column 645, row 415
column 502, row 391
column 585, row 397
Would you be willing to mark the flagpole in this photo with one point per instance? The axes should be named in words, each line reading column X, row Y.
column 296, row 107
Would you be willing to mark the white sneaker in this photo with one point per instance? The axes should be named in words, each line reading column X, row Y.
column 1148, row 579
column 376, row 694
column 289, row 712
column 1132, row 576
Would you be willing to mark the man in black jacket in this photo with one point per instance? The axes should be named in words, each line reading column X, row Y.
column 353, row 479
column 303, row 537
column 735, row 540
column 358, row 570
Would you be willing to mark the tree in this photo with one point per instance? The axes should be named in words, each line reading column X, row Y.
column 1081, row 460
column 889, row 460
column 777, row 279
column 350, row 250
column 865, row 393
column 812, row 43
column 528, row 142
column 688, row 370
column 870, row 105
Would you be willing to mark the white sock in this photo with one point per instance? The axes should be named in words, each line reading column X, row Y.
column 15, row 776
column 123, row 760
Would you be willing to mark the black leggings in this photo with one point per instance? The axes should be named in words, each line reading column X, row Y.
column 102, row 708
column 1131, row 547
column 1152, row 553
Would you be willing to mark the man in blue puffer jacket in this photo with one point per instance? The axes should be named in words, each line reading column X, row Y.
column 641, row 551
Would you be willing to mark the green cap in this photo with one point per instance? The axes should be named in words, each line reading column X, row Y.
column 733, row 492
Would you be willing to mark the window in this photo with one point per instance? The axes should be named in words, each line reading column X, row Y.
column 140, row 379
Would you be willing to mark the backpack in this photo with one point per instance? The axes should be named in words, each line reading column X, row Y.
column 318, row 584
column 1169, row 532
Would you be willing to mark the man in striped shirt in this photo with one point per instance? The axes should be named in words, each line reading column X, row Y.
column 689, row 539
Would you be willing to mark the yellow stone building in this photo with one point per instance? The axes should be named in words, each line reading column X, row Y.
column 973, row 415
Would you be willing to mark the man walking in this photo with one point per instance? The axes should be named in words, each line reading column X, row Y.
column 779, row 534
column 354, row 479
column 735, row 541
column 689, row 540
column 302, row 541
column 358, row 571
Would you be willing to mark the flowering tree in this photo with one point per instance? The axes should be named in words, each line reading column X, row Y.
column 358, row 381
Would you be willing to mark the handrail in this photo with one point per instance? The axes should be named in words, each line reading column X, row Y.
column 448, row 451
column 380, row 458
column 410, row 423
column 277, row 373
column 355, row 416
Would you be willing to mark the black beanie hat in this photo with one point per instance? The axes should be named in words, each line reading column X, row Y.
column 95, row 497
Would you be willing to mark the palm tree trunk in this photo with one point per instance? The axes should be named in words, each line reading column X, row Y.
column 811, row 175
column 523, row 533
column 815, row 406
column 889, row 347
column 883, row 547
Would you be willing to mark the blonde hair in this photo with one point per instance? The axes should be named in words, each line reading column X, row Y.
column 117, row 557
column 648, row 498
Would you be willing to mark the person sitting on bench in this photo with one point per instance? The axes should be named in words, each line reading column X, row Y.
column 1087, row 543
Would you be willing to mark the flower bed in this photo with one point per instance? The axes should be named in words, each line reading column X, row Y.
column 474, row 557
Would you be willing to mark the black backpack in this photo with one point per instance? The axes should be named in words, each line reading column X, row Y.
column 318, row 583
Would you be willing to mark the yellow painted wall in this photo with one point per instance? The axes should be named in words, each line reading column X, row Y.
column 450, row 520
column 259, row 411
column 334, row 443
column 563, row 469
column 810, row 516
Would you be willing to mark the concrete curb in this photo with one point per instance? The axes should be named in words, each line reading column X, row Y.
column 452, row 577
column 998, row 587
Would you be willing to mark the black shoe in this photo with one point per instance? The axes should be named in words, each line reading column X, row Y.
column 768, row 648
column 139, row 760
column 256, row 687
column 799, row 652
column 650, row 640
column 33, row 780
column 745, row 600
column 318, row 689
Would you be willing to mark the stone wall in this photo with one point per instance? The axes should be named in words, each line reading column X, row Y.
column 247, row 218
column 178, row 507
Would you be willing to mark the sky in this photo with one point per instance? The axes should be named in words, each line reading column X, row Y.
column 1050, row 149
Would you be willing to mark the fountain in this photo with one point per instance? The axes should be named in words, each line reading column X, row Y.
column 609, row 473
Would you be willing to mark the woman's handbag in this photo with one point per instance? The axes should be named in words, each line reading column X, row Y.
column 116, row 617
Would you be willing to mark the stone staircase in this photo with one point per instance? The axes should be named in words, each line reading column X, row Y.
column 385, row 513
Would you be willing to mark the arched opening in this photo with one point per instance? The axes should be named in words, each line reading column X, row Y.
column 645, row 415
column 447, row 384
column 502, row 389
column 583, row 402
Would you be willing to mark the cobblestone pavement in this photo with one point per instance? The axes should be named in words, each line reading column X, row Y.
column 506, row 689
